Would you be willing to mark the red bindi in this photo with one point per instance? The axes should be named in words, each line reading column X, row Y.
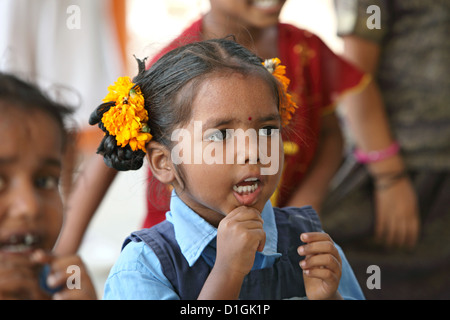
column 249, row 118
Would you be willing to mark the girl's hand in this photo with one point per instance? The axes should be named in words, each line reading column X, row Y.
column 19, row 278
column 60, row 273
column 239, row 235
column 321, row 266
column 397, row 223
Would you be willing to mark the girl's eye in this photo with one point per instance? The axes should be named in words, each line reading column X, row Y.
column 268, row 131
column 47, row 182
column 218, row 135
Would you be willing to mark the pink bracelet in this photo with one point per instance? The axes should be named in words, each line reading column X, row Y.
column 374, row 156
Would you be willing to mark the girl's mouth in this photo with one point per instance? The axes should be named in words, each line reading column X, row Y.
column 247, row 186
column 267, row 4
column 247, row 191
column 20, row 243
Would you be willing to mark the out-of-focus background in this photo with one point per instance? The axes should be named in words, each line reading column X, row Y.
column 74, row 49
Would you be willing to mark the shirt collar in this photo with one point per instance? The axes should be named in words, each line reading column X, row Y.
column 193, row 233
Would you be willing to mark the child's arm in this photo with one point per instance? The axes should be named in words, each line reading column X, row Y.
column 322, row 266
column 90, row 188
column 239, row 236
column 314, row 185
column 397, row 223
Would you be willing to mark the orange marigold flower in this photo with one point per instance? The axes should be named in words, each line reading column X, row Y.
column 127, row 119
column 287, row 106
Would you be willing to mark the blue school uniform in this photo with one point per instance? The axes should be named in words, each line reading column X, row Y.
column 173, row 259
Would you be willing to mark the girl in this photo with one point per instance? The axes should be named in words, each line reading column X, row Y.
column 31, row 156
column 318, row 79
column 222, row 238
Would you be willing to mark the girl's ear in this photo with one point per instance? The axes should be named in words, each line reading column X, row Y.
column 160, row 162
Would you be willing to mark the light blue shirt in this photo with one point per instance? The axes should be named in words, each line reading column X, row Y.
column 137, row 274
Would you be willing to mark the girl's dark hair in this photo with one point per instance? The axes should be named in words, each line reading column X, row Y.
column 169, row 87
column 20, row 94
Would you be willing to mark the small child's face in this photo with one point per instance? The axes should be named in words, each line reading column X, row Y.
column 30, row 166
column 232, row 150
column 250, row 13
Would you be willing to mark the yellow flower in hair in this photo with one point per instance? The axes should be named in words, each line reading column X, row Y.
column 287, row 105
column 127, row 120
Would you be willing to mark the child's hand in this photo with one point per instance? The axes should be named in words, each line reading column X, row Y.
column 240, row 234
column 321, row 266
column 19, row 278
column 59, row 274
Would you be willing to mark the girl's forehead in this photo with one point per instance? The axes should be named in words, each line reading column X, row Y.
column 234, row 94
column 29, row 132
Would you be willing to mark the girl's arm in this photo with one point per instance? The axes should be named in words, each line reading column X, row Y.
column 90, row 188
column 397, row 213
column 328, row 157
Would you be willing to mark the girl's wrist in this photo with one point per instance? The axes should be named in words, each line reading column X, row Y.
column 393, row 164
column 386, row 180
column 376, row 155
column 222, row 283
column 387, row 172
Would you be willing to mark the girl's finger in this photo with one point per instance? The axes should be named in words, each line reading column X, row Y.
column 315, row 236
column 380, row 226
column 320, row 247
column 327, row 261
column 322, row 273
column 262, row 239
column 245, row 213
column 40, row 256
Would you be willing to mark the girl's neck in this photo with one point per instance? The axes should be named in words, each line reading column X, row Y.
column 262, row 41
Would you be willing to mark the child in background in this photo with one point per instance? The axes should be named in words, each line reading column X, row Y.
column 222, row 238
column 31, row 208
column 313, row 152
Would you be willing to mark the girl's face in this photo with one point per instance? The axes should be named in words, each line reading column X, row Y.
column 30, row 166
column 249, row 13
column 231, row 138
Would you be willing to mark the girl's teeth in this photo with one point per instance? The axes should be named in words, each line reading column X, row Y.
column 16, row 248
column 265, row 3
column 29, row 239
column 245, row 189
column 19, row 243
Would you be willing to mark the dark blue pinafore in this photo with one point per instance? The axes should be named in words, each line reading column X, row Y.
column 281, row 281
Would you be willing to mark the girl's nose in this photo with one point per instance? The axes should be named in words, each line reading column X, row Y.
column 24, row 200
column 247, row 147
